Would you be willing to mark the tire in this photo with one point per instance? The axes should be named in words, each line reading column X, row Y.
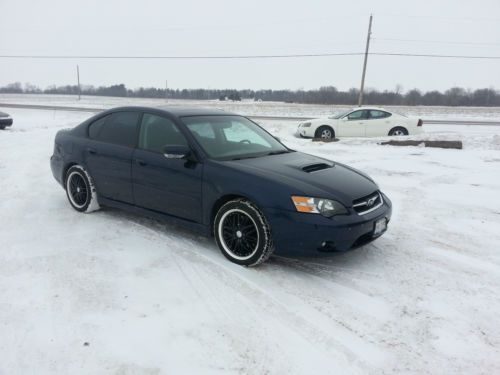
column 242, row 233
column 325, row 132
column 398, row 131
column 80, row 190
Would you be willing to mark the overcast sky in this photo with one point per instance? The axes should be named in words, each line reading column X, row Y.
column 251, row 27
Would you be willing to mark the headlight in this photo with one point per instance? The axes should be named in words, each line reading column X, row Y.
column 325, row 207
column 306, row 124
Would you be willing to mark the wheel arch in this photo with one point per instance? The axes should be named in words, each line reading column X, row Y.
column 65, row 169
column 403, row 127
column 219, row 203
column 327, row 125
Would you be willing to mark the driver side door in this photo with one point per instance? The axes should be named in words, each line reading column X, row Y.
column 170, row 186
column 354, row 124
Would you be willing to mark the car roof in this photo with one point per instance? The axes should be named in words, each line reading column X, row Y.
column 179, row 111
column 373, row 108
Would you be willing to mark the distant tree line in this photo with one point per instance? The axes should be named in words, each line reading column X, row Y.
column 455, row 96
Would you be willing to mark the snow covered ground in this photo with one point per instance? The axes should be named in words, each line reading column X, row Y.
column 114, row 293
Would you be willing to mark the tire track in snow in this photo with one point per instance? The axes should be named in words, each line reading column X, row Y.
column 345, row 341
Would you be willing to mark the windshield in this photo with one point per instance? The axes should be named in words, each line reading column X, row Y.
column 341, row 114
column 232, row 137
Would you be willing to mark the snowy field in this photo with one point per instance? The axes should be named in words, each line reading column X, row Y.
column 251, row 108
column 114, row 293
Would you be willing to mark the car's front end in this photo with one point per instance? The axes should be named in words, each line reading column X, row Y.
column 5, row 120
column 305, row 129
column 299, row 233
column 314, row 205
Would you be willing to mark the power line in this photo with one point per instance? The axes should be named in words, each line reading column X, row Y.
column 223, row 57
column 187, row 57
column 435, row 56
column 436, row 41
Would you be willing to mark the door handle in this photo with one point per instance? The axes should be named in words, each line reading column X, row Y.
column 92, row 151
column 141, row 162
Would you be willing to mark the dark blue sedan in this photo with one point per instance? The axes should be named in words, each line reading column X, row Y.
column 221, row 174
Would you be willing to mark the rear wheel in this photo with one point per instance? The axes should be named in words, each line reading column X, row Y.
column 398, row 131
column 80, row 190
column 242, row 233
column 325, row 132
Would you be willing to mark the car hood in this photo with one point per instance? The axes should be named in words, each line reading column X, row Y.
column 310, row 175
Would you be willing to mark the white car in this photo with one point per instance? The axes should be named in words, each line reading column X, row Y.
column 360, row 122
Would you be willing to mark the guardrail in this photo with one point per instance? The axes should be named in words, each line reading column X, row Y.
column 256, row 117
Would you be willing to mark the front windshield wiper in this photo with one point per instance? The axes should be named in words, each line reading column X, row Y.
column 261, row 155
column 246, row 157
column 279, row 152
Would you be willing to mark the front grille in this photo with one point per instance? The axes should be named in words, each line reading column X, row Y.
column 368, row 204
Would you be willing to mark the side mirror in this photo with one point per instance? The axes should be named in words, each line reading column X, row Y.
column 176, row 151
column 345, row 118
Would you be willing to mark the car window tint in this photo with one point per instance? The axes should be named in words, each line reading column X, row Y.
column 378, row 114
column 120, row 129
column 158, row 132
column 96, row 127
column 358, row 115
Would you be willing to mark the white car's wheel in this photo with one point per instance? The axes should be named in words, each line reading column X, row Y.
column 325, row 132
column 80, row 190
column 399, row 130
column 242, row 233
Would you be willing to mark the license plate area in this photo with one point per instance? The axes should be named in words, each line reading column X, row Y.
column 379, row 227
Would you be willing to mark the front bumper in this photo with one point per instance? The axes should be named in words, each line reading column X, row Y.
column 302, row 234
column 6, row 121
column 305, row 132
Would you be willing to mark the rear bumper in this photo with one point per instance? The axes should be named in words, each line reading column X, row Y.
column 56, row 165
column 6, row 121
column 300, row 234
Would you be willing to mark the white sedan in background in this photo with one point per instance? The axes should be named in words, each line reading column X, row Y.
column 360, row 122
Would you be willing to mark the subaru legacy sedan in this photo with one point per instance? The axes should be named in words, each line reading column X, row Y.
column 220, row 174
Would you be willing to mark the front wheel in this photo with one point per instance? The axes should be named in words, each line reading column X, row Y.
column 325, row 132
column 242, row 233
column 80, row 190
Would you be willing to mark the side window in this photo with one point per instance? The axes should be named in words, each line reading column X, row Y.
column 378, row 114
column 96, row 127
column 158, row 132
column 120, row 128
column 357, row 115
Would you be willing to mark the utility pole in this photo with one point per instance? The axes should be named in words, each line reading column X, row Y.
column 360, row 101
column 78, row 79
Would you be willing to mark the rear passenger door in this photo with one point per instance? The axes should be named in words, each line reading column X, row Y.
column 170, row 186
column 378, row 123
column 353, row 125
column 108, row 154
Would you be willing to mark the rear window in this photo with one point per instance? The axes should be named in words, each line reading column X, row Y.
column 118, row 128
column 375, row 114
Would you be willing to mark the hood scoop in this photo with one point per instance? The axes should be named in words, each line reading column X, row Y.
column 316, row 167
